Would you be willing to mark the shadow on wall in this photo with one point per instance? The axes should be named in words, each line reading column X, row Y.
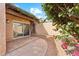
column 44, row 29
column 40, row 29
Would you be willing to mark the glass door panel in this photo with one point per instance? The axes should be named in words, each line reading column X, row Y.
column 20, row 29
column 26, row 29
column 17, row 29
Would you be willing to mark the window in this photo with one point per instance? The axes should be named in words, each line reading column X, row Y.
column 20, row 29
column 26, row 29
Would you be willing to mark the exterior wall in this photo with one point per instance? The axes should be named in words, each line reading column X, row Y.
column 45, row 29
column 40, row 30
column 10, row 20
column 61, row 51
column 2, row 29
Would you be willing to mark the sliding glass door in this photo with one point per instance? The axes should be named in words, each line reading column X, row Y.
column 26, row 29
column 20, row 29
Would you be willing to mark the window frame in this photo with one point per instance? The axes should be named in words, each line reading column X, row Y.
column 22, row 29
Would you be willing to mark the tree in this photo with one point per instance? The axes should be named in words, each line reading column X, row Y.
column 64, row 15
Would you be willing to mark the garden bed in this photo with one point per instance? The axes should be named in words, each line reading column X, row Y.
column 67, row 46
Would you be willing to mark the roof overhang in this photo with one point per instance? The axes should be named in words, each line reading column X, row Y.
column 18, row 13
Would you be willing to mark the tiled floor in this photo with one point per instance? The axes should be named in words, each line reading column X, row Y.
column 32, row 46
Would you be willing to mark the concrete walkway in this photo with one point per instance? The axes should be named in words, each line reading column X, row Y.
column 33, row 46
column 18, row 43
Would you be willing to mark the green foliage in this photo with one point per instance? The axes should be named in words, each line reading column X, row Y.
column 65, row 17
column 61, row 37
column 76, row 10
column 61, row 14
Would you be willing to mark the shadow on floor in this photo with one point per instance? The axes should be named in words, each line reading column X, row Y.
column 19, row 43
column 52, row 50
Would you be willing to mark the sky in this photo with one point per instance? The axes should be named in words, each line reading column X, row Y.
column 34, row 8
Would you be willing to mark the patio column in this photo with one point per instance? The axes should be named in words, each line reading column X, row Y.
column 2, row 29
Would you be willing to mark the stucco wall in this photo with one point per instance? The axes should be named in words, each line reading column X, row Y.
column 2, row 29
column 10, row 21
column 61, row 51
column 45, row 29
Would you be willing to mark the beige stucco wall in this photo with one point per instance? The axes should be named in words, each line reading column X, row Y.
column 61, row 51
column 10, row 21
column 2, row 29
column 40, row 30
column 45, row 29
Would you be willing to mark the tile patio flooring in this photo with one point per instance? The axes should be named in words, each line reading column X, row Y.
column 31, row 46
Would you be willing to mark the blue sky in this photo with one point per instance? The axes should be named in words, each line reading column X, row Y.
column 34, row 8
